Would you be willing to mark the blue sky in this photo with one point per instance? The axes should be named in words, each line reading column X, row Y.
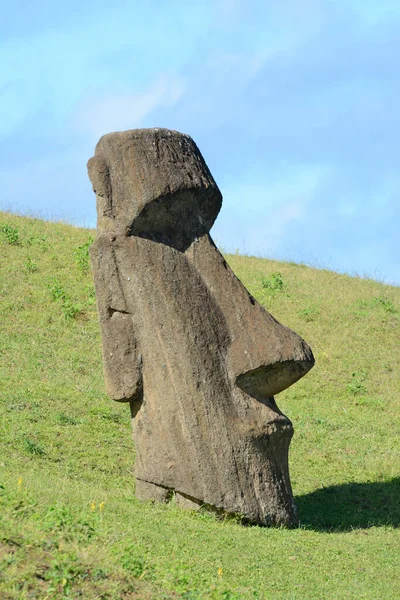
column 294, row 105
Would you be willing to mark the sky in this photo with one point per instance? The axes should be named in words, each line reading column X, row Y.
column 294, row 106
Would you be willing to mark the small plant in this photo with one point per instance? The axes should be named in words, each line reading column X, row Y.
column 31, row 266
column 63, row 521
column 56, row 290
column 66, row 420
column 98, row 574
column 81, row 255
column 273, row 283
column 10, row 234
column 70, row 308
column 376, row 302
column 136, row 564
column 309, row 314
column 38, row 240
column 114, row 418
column 63, row 574
column 385, row 303
column 33, row 448
column 356, row 386
column 90, row 293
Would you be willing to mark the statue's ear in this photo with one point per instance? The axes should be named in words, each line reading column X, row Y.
column 99, row 175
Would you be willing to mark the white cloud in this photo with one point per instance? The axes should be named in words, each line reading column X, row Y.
column 118, row 112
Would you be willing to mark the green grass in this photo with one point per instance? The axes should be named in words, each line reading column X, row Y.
column 70, row 525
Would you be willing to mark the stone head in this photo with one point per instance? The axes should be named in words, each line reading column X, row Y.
column 144, row 188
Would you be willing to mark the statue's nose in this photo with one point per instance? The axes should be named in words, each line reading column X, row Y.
column 263, row 357
column 269, row 379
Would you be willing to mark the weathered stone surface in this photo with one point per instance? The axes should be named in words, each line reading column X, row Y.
column 193, row 352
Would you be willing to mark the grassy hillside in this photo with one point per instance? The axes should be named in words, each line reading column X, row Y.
column 69, row 523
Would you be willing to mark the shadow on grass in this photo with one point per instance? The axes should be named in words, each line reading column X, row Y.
column 351, row 506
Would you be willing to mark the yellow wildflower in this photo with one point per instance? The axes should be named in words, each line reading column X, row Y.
column 101, row 505
column 93, row 507
column 220, row 571
column 19, row 482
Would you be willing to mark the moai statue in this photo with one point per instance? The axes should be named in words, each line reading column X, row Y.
column 196, row 356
